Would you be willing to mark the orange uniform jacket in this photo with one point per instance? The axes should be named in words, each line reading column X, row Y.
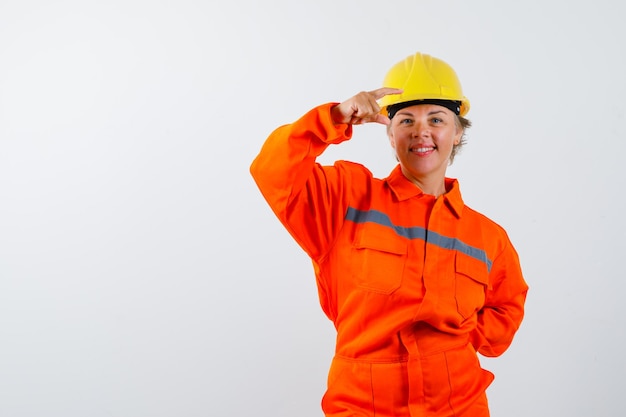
column 414, row 285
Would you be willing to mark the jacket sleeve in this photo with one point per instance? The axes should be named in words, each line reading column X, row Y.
column 502, row 315
column 309, row 199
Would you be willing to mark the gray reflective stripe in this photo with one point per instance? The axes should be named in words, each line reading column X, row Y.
column 415, row 232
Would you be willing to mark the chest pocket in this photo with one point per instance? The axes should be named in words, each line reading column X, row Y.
column 471, row 283
column 379, row 258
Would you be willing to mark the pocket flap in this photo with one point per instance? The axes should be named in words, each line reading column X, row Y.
column 472, row 268
column 381, row 241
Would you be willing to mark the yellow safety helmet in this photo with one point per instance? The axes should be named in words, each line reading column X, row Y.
column 423, row 77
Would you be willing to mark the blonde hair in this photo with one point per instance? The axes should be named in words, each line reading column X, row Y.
column 463, row 124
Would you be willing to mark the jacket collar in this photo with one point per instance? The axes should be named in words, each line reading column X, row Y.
column 405, row 189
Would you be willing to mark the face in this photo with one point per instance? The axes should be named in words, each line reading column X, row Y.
column 423, row 136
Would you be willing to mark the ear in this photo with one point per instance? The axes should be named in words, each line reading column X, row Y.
column 458, row 135
column 392, row 141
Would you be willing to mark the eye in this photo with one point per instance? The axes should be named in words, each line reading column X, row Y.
column 436, row 120
column 406, row 121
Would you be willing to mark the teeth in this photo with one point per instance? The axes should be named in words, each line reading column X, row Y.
column 424, row 149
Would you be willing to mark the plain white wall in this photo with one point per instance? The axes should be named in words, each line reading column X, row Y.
column 141, row 272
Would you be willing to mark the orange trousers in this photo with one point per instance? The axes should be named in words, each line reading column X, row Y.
column 439, row 376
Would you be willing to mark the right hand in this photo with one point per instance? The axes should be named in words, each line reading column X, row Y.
column 363, row 108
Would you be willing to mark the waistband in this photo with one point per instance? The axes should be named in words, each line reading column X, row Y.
column 417, row 341
column 424, row 340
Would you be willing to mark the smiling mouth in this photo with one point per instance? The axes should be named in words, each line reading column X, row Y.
column 423, row 150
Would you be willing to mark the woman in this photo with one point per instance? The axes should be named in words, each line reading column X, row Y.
column 415, row 282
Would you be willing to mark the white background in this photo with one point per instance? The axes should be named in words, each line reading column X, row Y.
column 141, row 272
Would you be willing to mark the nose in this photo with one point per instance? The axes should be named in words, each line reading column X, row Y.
column 421, row 130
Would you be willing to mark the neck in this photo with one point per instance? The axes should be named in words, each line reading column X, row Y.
column 432, row 189
column 435, row 187
column 429, row 184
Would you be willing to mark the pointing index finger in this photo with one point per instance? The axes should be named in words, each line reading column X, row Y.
column 385, row 91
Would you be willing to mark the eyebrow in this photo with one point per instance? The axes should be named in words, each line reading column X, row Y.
column 429, row 113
